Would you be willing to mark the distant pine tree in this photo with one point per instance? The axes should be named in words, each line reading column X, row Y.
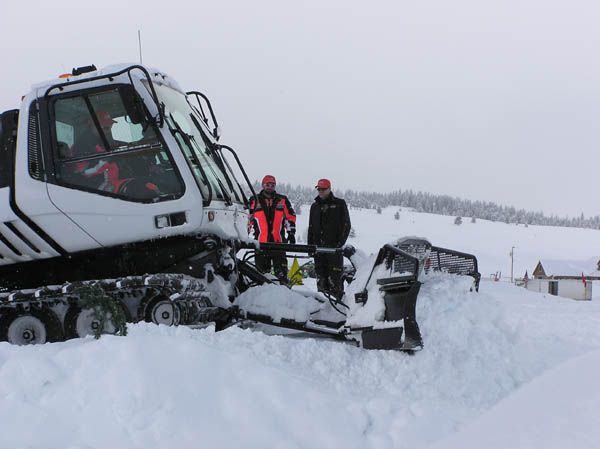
column 438, row 204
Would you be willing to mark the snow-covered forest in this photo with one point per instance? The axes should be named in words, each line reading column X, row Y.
column 441, row 205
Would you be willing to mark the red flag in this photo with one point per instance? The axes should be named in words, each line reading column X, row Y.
column 583, row 279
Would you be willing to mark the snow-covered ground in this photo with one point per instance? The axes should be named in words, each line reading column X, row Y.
column 501, row 368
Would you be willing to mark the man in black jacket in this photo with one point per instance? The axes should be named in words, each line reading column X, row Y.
column 328, row 226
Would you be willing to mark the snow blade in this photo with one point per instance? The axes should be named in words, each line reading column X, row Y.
column 400, row 302
column 381, row 314
column 382, row 338
column 400, row 298
column 412, row 336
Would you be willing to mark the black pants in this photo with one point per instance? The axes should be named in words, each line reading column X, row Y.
column 275, row 260
column 328, row 268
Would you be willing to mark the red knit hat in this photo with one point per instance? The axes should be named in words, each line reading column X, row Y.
column 269, row 178
column 323, row 184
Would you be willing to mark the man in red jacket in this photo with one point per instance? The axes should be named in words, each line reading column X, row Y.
column 270, row 220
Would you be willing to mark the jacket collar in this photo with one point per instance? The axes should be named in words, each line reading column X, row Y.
column 262, row 194
column 329, row 199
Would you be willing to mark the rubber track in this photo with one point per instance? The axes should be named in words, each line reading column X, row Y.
column 188, row 292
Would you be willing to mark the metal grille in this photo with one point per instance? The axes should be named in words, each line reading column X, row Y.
column 400, row 262
column 418, row 248
column 34, row 147
column 455, row 262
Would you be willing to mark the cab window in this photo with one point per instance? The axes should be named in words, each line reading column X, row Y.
column 106, row 144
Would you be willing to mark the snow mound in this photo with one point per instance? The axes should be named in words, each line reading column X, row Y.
column 472, row 349
column 162, row 387
column 277, row 302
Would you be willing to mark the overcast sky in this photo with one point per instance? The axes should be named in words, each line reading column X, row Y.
column 484, row 100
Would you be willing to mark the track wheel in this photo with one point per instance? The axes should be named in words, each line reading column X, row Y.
column 161, row 310
column 83, row 322
column 26, row 328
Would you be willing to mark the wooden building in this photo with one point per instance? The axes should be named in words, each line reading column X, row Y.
column 567, row 278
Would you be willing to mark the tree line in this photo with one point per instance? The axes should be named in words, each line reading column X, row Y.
column 438, row 204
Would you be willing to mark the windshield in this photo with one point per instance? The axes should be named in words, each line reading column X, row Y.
column 104, row 145
column 208, row 168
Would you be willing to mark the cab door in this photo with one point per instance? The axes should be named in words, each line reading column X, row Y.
column 36, row 217
column 113, row 173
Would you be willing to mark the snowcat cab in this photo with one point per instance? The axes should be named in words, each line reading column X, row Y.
column 110, row 166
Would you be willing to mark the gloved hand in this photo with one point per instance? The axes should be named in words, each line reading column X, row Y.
column 291, row 238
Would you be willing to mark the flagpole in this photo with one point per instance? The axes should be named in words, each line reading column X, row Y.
column 512, row 254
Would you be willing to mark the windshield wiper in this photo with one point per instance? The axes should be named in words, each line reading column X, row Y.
column 212, row 151
column 135, row 146
column 226, row 195
column 186, row 140
column 242, row 200
column 237, row 159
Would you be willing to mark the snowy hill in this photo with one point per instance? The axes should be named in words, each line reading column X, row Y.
column 490, row 241
column 498, row 368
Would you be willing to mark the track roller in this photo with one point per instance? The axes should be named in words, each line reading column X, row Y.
column 35, row 326
column 161, row 310
column 80, row 323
